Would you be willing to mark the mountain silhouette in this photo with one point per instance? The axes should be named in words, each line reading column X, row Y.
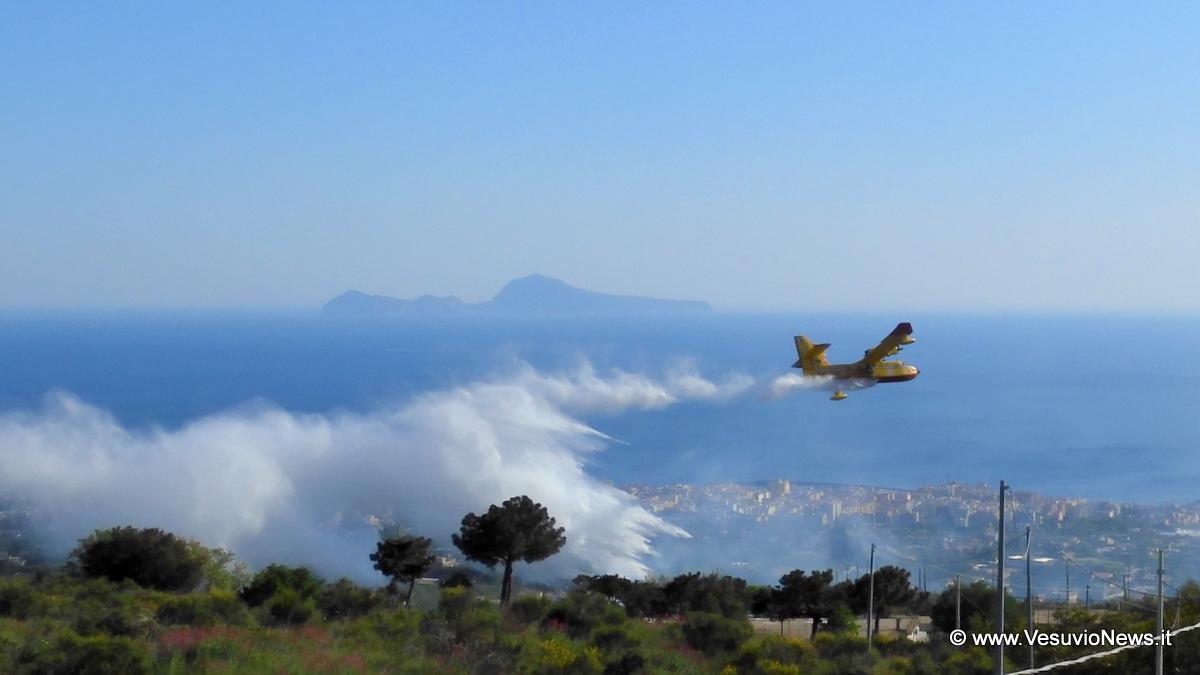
column 534, row 295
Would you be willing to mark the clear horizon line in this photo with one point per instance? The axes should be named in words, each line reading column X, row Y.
column 315, row 310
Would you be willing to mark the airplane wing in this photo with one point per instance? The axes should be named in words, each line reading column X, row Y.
column 893, row 340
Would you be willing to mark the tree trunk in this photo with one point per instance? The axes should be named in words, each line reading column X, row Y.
column 408, row 598
column 506, row 585
column 393, row 591
column 816, row 626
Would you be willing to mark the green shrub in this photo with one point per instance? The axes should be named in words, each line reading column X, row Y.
column 436, row 634
column 208, row 609
column 97, row 606
column 712, row 633
column 769, row 667
column 465, row 617
column 287, row 607
column 346, row 599
column 454, row 601
column 968, row 662
column 619, row 645
column 221, row 569
column 479, row 624
column 459, row 579
column 836, row 645
column 17, row 599
column 63, row 651
column 556, row 655
column 394, row 627
column 628, row 663
column 614, row 639
column 581, row 611
column 527, row 609
column 149, row 557
column 94, row 618
column 843, row 621
column 273, row 578
column 695, row 592
column 772, row 653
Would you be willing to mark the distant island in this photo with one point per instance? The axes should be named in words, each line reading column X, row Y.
column 534, row 295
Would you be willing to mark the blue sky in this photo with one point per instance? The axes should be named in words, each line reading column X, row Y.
column 1008, row 156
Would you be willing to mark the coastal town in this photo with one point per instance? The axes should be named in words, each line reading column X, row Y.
column 1079, row 549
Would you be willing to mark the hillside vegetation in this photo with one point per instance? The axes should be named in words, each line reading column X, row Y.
column 132, row 601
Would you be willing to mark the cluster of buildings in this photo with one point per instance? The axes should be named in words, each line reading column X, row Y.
column 936, row 531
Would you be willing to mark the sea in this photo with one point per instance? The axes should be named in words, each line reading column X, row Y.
column 1092, row 406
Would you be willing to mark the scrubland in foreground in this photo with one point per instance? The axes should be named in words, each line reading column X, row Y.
column 178, row 607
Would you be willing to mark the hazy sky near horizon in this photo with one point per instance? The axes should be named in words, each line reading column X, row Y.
column 756, row 155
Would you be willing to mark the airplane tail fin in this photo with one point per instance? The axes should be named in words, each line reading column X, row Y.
column 811, row 356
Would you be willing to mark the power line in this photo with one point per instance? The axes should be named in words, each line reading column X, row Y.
column 937, row 564
column 1042, row 590
column 1097, row 655
column 1091, row 573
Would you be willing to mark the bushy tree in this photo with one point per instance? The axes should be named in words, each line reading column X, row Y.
column 639, row 598
column 346, row 599
column 459, row 579
column 528, row 609
column 689, row 592
column 520, row 529
column 611, row 586
column 288, row 607
column 978, row 607
column 149, row 557
column 893, row 588
column 221, row 568
column 402, row 559
column 695, row 592
column 274, row 578
column 713, row 634
column 765, row 601
column 810, row 595
column 581, row 611
column 645, row 599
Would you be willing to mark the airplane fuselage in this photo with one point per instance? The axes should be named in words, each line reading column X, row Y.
column 873, row 366
column 883, row 371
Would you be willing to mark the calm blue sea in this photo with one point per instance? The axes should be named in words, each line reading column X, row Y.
column 1099, row 407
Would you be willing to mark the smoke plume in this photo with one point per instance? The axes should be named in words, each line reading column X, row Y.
column 279, row 486
column 788, row 383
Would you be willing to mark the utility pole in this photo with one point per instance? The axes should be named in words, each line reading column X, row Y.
column 1028, row 593
column 1124, row 590
column 871, row 601
column 957, row 603
column 1158, row 648
column 1000, row 585
column 1087, row 598
column 1067, row 566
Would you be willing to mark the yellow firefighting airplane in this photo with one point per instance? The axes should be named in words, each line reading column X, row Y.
column 870, row 368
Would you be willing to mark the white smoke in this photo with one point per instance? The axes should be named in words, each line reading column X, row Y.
column 790, row 382
column 583, row 390
column 785, row 384
column 277, row 486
